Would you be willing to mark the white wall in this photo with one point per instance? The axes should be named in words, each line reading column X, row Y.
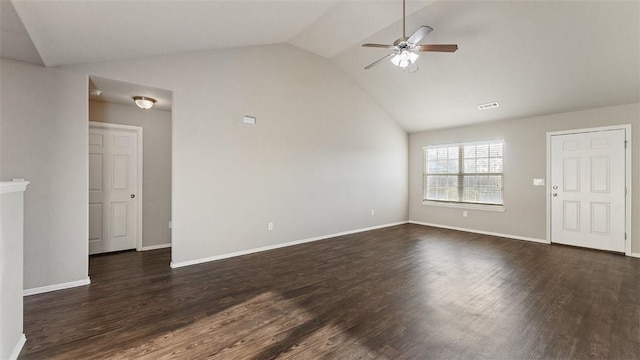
column 11, row 268
column 43, row 139
column 525, row 159
column 156, row 124
column 321, row 156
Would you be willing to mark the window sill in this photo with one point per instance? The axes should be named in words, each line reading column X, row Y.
column 497, row 208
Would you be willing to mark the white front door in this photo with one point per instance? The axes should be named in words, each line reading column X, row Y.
column 588, row 189
column 113, row 178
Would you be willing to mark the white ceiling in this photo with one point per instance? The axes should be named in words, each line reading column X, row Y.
column 67, row 32
column 348, row 22
column 534, row 57
column 15, row 43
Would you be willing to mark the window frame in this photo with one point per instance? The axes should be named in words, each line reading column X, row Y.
column 460, row 175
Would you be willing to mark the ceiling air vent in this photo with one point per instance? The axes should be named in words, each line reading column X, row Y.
column 490, row 105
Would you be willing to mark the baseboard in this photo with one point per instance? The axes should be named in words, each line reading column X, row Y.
column 156, row 247
column 517, row 237
column 277, row 246
column 54, row 287
column 635, row 255
column 18, row 348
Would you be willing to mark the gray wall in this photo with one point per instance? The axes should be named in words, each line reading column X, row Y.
column 11, row 250
column 321, row 156
column 525, row 159
column 43, row 139
column 156, row 124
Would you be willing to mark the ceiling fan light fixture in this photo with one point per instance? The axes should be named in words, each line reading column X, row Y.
column 144, row 102
column 405, row 49
column 404, row 58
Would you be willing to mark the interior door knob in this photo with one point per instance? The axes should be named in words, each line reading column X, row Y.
column 555, row 194
column 133, row 196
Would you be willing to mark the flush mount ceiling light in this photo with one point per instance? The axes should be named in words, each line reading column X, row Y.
column 144, row 102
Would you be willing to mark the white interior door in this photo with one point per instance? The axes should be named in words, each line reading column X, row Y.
column 113, row 179
column 588, row 189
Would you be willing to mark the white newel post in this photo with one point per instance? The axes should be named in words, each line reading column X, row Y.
column 12, row 338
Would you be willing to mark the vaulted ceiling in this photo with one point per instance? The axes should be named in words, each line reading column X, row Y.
column 533, row 57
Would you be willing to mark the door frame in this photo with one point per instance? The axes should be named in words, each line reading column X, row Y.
column 139, row 196
column 628, row 197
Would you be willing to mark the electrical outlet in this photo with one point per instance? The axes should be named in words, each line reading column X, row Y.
column 464, row 213
column 270, row 226
column 373, row 212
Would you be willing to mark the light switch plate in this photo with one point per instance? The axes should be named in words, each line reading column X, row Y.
column 249, row 120
column 538, row 182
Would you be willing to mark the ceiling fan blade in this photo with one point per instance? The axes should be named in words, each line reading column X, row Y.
column 438, row 48
column 379, row 46
column 377, row 62
column 419, row 34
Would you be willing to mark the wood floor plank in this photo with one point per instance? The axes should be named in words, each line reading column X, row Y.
column 403, row 292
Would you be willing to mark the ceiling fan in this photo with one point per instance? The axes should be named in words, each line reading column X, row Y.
column 405, row 49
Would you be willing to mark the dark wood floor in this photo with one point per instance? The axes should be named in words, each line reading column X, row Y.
column 404, row 292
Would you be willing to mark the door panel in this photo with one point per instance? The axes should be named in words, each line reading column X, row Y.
column 571, row 171
column 600, row 174
column 119, row 219
column 95, row 172
column 95, row 222
column 600, row 218
column 571, row 215
column 588, row 189
column 120, row 172
column 112, row 180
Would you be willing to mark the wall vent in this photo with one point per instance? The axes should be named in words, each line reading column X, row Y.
column 490, row 105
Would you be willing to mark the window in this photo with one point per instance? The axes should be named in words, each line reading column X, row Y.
column 469, row 173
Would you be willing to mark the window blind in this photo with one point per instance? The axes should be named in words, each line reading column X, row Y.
column 465, row 173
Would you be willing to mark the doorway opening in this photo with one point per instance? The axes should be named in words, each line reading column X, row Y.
column 589, row 188
column 130, row 153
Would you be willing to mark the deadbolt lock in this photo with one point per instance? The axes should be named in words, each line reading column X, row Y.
column 133, row 196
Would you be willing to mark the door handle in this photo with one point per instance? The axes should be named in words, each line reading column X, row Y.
column 133, row 196
column 555, row 194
